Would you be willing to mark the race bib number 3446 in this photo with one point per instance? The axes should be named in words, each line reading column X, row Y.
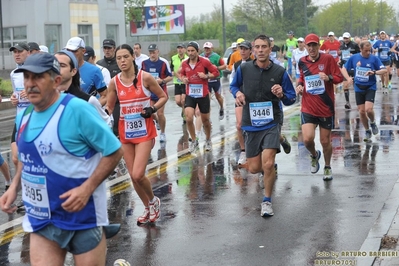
column 261, row 113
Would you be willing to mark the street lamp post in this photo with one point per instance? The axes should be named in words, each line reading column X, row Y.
column 223, row 28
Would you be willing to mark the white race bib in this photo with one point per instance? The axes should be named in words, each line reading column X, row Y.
column 314, row 85
column 346, row 54
column 334, row 53
column 360, row 74
column 135, row 126
column 154, row 74
column 273, row 54
column 261, row 113
column 35, row 196
column 384, row 54
column 196, row 90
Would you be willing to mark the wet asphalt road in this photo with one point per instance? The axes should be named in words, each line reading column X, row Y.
column 211, row 214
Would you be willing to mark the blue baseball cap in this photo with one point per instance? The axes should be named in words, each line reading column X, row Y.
column 71, row 56
column 40, row 63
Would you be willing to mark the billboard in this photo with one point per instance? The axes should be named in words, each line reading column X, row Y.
column 171, row 21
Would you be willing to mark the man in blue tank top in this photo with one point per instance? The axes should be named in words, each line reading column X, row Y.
column 66, row 151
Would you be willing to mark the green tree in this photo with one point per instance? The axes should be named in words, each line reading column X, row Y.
column 133, row 10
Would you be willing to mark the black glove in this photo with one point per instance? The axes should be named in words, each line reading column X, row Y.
column 147, row 112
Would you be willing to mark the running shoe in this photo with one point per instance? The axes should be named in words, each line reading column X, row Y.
column 193, row 145
column 145, row 217
column 389, row 86
column 367, row 138
column 374, row 128
column 327, row 174
column 242, row 159
column 208, row 145
column 384, row 90
column 286, row 145
column 266, row 209
column 261, row 181
column 347, row 106
column 155, row 210
column 162, row 137
column 221, row 114
column 315, row 166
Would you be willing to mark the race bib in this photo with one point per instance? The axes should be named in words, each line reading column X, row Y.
column 154, row 74
column 360, row 74
column 346, row 54
column 273, row 54
column 196, row 90
column 261, row 113
column 314, row 85
column 35, row 196
column 291, row 48
column 135, row 126
column 384, row 54
column 334, row 53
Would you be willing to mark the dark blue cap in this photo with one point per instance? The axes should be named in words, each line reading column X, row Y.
column 193, row 44
column 40, row 63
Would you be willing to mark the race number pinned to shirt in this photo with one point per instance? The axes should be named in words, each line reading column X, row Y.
column 334, row 53
column 384, row 53
column 154, row 74
column 261, row 113
column 314, row 85
column 346, row 54
column 273, row 54
column 196, row 90
column 135, row 126
column 35, row 196
column 360, row 74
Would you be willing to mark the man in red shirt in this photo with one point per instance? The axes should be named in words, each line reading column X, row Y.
column 195, row 72
column 331, row 46
column 318, row 74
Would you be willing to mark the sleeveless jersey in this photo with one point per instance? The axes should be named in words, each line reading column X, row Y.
column 50, row 170
column 132, row 127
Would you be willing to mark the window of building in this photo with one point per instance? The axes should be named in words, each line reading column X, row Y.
column 53, row 38
column 86, row 33
column 112, row 32
column 14, row 35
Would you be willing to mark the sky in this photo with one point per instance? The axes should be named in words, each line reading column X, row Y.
column 194, row 8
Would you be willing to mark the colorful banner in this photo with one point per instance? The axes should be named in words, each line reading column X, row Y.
column 171, row 20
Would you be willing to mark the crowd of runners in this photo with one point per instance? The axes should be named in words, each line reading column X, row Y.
column 108, row 113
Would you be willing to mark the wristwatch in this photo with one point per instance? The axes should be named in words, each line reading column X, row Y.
column 163, row 82
column 375, row 72
column 330, row 78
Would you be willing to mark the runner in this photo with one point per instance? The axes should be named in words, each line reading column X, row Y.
column 214, row 83
column 195, row 73
column 383, row 47
column 259, row 86
column 66, row 207
column 159, row 68
column 347, row 49
column 366, row 66
column 297, row 54
column 137, row 131
column 319, row 72
column 180, row 87
column 290, row 44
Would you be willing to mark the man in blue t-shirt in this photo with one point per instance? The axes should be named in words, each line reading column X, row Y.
column 66, row 151
column 366, row 66
column 159, row 68
column 383, row 47
column 91, row 78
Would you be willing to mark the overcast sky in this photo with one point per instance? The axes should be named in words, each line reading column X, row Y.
column 197, row 7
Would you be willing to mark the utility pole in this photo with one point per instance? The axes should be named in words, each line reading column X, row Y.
column 223, row 27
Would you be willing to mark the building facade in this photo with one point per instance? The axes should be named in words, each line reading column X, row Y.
column 53, row 22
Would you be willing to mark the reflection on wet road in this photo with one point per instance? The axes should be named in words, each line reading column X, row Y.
column 211, row 209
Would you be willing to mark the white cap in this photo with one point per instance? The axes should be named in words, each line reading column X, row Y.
column 300, row 39
column 208, row 45
column 75, row 43
column 234, row 45
column 383, row 32
column 43, row 48
column 340, row 38
column 331, row 33
column 346, row 35
column 391, row 38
